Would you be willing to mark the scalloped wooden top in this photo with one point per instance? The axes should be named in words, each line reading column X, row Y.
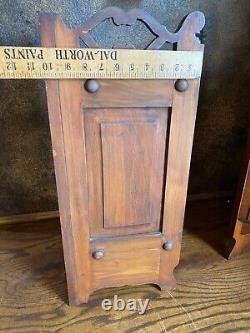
column 185, row 37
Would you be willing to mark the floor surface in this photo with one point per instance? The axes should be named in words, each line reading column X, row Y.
column 212, row 294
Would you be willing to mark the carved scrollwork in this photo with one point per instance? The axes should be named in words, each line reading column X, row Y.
column 192, row 25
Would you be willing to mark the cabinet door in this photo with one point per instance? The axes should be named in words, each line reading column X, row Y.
column 126, row 154
column 125, row 164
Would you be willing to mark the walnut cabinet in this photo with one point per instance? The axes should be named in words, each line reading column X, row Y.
column 121, row 152
column 240, row 222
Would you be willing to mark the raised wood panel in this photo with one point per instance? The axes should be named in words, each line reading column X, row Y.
column 130, row 93
column 125, row 159
column 245, row 230
column 126, row 261
column 129, row 177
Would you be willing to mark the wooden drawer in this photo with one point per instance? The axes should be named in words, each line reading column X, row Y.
column 126, row 260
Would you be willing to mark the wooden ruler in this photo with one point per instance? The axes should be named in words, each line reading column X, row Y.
column 68, row 63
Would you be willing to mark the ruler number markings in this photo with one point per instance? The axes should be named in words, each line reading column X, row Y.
column 54, row 63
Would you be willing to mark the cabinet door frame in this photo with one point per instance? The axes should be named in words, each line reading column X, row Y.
column 96, row 120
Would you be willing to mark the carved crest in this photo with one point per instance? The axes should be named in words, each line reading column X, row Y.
column 192, row 25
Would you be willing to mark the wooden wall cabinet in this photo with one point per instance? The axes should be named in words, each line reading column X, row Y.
column 240, row 223
column 122, row 152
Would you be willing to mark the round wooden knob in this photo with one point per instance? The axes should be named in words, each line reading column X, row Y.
column 181, row 85
column 98, row 254
column 168, row 245
column 92, row 86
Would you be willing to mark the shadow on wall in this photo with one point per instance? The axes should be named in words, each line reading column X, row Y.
column 27, row 177
column 223, row 113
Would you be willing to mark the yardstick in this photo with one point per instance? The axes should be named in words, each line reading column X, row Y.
column 72, row 63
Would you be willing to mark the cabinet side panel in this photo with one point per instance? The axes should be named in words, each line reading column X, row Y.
column 182, row 125
column 66, row 124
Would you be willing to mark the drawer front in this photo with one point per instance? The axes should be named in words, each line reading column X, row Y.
column 126, row 261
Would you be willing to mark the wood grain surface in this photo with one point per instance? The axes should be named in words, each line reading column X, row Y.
column 212, row 294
